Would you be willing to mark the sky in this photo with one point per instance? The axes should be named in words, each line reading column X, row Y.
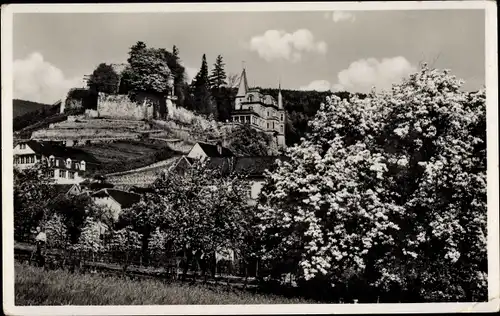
column 321, row 50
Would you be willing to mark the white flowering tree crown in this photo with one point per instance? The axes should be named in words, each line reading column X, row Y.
column 390, row 189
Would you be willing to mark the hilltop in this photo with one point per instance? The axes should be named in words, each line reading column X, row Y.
column 21, row 107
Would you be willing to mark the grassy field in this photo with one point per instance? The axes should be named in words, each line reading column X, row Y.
column 33, row 286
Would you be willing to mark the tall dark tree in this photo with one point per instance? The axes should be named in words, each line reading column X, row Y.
column 202, row 98
column 103, row 79
column 218, row 76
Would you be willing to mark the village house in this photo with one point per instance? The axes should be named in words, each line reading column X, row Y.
column 66, row 165
column 223, row 160
column 115, row 200
column 68, row 189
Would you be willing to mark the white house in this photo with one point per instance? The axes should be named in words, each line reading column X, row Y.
column 66, row 165
column 203, row 150
column 115, row 200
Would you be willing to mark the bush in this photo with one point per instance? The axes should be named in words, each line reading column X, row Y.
column 389, row 190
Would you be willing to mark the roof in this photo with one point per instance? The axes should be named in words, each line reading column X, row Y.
column 125, row 199
column 243, row 87
column 96, row 185
column 211, row 150
column 63, row 188
column 250, row 166
column 48, row 149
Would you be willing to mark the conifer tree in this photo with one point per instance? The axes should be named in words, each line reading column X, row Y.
column 203, row 101
column 218, row 76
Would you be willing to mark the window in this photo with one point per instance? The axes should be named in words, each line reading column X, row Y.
column 82, row 165
column 68, row 163
column 250, row 98
column 51, row 173
column 57, row 163
column 267, row 125
column 62, row 173
column 77, row 166
column 22, row 159
column 267, row 113
column 22, row 146
column 71, row 174
column 282, row 117
column 32, row 159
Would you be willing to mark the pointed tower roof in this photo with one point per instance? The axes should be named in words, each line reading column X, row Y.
column 243, row 87
column 280, row 98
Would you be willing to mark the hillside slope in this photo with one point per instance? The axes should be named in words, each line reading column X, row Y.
column 21, row 107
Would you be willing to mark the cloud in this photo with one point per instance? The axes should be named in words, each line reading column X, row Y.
column 364, row 74
column 278, row 44
column 40, row 81
column 340, row 16
column 317, row 85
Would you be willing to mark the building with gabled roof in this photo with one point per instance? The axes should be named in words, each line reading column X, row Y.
column 66, row 165
column 115, row 200
column 204, row 150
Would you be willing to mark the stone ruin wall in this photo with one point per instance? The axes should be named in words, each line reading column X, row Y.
column 120, row 106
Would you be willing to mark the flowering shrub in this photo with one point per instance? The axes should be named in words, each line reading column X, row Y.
column 57, row 232
column 90, row 238
column 390, row 189
column 125, row 240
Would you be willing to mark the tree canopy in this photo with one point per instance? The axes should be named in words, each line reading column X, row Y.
column 103, row 79
column 390, row 191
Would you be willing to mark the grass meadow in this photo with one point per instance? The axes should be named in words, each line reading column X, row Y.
column 34, row 286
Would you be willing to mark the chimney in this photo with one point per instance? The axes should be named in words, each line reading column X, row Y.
column 219, row 147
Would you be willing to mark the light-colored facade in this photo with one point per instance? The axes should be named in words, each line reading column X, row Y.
column 64, row 170
column 260, row 111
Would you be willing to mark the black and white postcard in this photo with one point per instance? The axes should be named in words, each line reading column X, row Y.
column 250, row 158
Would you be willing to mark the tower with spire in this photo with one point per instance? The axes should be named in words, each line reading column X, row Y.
column 261, row 111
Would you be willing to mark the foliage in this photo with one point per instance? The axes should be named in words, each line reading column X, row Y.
column 32, row 117
column 125, row 239
column 247, row 141
column 148, row 70
column 83, row 98
column 57, row 232
column 157, row 243
column 200, row 209
column 389, row 190
column 74, row 211
column 104, row 79
column 218, row 77
column 90, row 239
column 200, row 88
column 32, row 192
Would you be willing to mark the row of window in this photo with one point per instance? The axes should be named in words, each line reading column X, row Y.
column 63, row 174
column 77, row 165
column 24, row 160
column 256, row 121
column 271, row 113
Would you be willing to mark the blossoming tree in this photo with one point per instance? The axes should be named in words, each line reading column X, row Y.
column 389, row 189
